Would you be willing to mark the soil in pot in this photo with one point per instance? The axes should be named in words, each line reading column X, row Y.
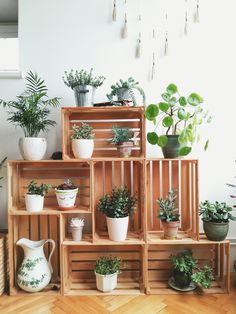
column 170, row 229
column 125, row 149
column 182, row 280
column 171, row 150
column 216, row 231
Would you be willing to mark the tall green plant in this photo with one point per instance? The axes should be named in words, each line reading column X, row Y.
column 1, row 165
column 31, row 110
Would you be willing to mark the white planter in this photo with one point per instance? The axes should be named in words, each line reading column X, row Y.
column 66, row 198
column 77, row 233
column 32, row 148
column 117, row 228
column 34, row 203
column 106, row 283
column 82, row 148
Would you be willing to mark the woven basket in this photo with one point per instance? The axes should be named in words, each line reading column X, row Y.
column 3, row 263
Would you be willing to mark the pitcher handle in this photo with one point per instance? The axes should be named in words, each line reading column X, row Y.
column 53, row 248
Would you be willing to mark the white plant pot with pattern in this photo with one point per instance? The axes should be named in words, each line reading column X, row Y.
column 117, row 228
column 32, row 148
column 82, row 148
column 66, row 198
column 34, row 203
column 106, row 283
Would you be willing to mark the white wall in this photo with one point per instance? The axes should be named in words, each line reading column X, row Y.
column 57, row 35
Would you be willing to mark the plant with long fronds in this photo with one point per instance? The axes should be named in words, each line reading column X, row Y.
column 31, row 110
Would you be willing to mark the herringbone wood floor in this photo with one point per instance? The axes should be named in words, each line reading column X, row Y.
column 164, row 304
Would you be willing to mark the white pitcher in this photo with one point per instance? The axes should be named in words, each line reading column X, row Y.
column 35, row 271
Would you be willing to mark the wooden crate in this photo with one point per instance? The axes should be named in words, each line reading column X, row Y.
column 78, row 276
column 110, row 174
column 215, row 254
column 161, row 176
column 102, row 119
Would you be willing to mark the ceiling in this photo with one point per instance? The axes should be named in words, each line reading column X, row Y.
column 8, row 11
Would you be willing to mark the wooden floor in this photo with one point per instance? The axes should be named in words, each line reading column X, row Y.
column 164, row 304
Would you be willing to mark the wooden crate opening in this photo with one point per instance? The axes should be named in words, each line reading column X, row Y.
column 111, row 174
column 102, row 120
column 79, row 262
column 181, row 175
column 160, row 270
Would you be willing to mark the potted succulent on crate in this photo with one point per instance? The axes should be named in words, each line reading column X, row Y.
column 124, row 90
column 30, row 111
column 117, row 207
column 76, row 227
column 181, row 117
column 216, row 217
column 169, row 215
column 187, row 274
column 123, row 138
column 66, row 194
column 106, row 271
column 83, row 84
column 82, row 140
column 34, row 198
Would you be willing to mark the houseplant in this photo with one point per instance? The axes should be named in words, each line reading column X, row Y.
column 34, row 198
column 117, row 207
column 106, row 271
column 123, row 138
column 169, row 215
column 186, row 271
column 66, row 194
column 124, row 90
column 1, row 165
column 83, row 84
column 76, row 226
column 180, row 118
column 82, row 140
column 216, row 217
column 30, row 111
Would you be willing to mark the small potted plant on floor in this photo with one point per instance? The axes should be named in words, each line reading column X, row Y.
column 216, row 217
column 106, row 271
column 34, row 198
column 124, row 90
column 76, row 227
column 66, row 194
column 169, row 215
column 117, row 207
column 82, row 140
column 83, row 84
column 181, row 117
column 123, row 138
column 30, row 111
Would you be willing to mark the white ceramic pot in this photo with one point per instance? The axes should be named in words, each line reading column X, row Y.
column 34, row 203
column 106, row 283
column 82, row 148
column 77, row 233
column 117, row 228
column 66, row 198
column 35, row 271
column 32, row 148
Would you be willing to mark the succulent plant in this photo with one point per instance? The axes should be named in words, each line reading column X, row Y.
column 75, row 78
column 76, row 222
column 168, row 212
column 121, row 135
column 67, row 185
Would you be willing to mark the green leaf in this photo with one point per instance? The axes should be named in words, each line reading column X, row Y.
column 183, row 101
column 152, row 138
column 162, row 141
column 173, row 101
column 185, row 151
column 152, row 112
column 163, row 106
column 165, row 97
column 182, row 114
column 167, row 122
column 195, row 99
column 206, row 145
column 171, row 89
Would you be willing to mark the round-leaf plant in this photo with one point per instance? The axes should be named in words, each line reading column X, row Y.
column 218, row 212
column 177, row 115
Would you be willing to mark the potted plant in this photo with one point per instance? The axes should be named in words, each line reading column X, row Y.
column 83, row 84
column 117, row 207
column 30, row 111
column 180, row 116
column 66, row 194
column 82, row 140
column 76, row 227
column 1, row 165
column 186, row 271
column 106, row 271
column 169, row 215
column 34, row 198
column 123, row 138
column 216, row 217
column 124, row 90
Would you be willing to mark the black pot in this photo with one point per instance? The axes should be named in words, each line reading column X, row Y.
column 182, row 280
column 171, row 150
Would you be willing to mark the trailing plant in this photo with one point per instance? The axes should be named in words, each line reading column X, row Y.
column 168, row 212
column 203, row 276
column 130, row 85
column 75, row 78
column 178, row 115
column 108, row 265
column 1, row 165
column 121, row 135
column 84, row 131
column 218, row 212
column 31, row 109
column 42, row 189
column 67, row 185
column 118, row 204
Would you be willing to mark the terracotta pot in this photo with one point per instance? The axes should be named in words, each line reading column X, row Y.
column 170, row 229
column 125, row 149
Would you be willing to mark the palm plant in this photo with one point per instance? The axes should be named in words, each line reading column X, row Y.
column 1, row 165
column 31, row 109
